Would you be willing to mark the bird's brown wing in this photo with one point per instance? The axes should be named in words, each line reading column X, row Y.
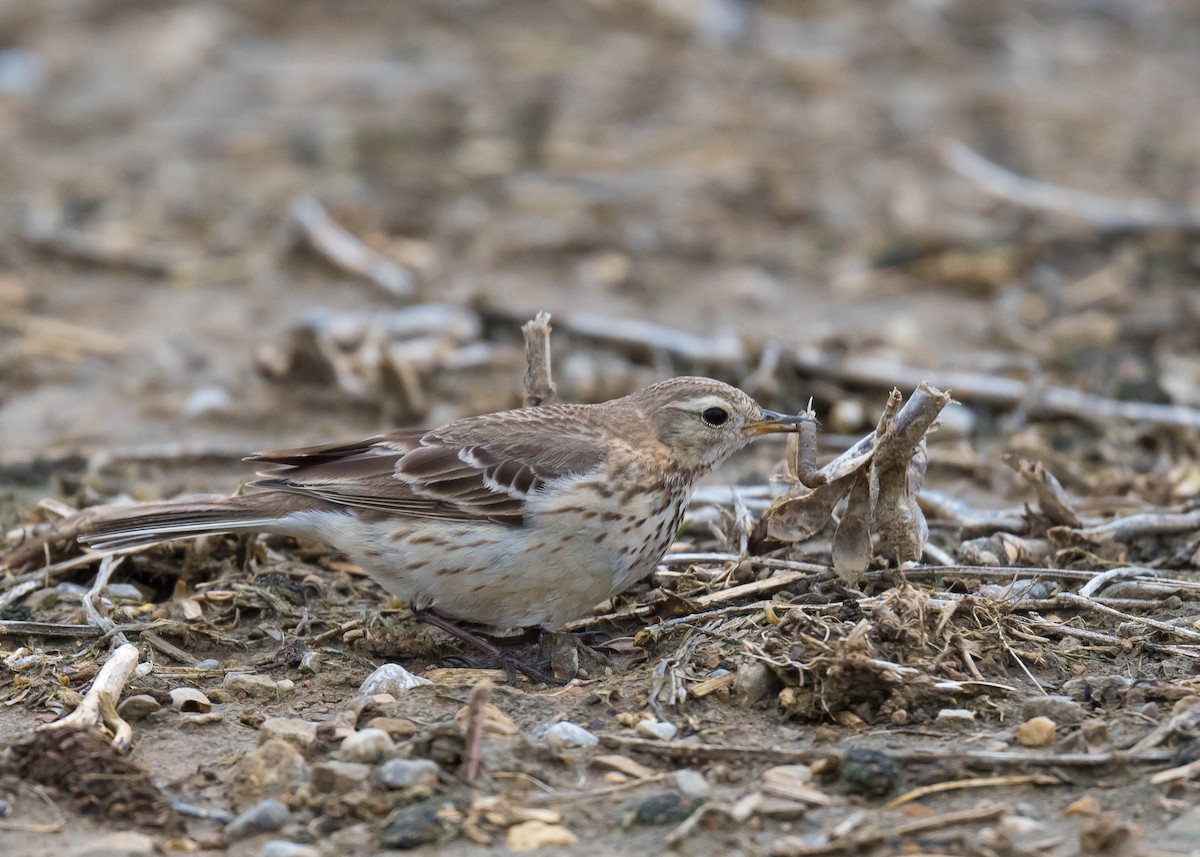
column 477, row 468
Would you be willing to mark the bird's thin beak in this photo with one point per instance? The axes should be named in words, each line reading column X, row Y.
column 773, row 422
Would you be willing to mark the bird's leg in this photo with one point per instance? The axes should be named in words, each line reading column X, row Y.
column 508, row 661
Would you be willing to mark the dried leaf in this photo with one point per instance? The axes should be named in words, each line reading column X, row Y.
column 852, row 540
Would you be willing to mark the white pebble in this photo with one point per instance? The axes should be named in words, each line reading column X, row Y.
column 564, row 735
column 656, row 729
column 390, row 678
column 369, row 746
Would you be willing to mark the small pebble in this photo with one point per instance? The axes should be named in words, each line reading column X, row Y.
column 955, row 717
column 369, row 746
column 189, row 699
column 256, row 685
column 337, row 778
column 1087, row 806
column 390, row 678
column 533, row 834
column 206, row 400
column 406, row 773
column 656, row 729
column 1060, row 709
column 5, row 808
column 1020, row 825
column 1095, row 733
column 124, row 593
column 691, row 783
column 419, row 824
column 311, row 663
column 208, row 664
column 299, row 733
column 564, row 735
column 663, row 808
column 868, row 772
column 397, row 727
column 138, row 707
column 283, row 848
column 265, row 816
column 274, row 769
column 755, row 681
column 1036, row 732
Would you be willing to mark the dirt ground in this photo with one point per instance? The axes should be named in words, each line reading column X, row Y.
column 808, row 199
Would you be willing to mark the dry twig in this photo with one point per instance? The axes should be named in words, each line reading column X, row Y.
column 540, row 388
column 99, row 706
column 334, row 242
column 1101, row 212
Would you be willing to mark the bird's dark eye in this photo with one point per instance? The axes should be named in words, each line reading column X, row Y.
column 715, row 416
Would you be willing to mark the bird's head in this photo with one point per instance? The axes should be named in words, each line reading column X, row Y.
column 701, row 422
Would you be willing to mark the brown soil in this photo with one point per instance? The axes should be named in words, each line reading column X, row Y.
column 768, row 171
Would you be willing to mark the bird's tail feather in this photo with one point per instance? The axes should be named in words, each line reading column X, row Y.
column 136, row 526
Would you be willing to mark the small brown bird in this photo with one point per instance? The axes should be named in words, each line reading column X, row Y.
column 516, row 519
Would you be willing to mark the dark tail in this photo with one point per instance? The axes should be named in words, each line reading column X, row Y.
column 134, row 526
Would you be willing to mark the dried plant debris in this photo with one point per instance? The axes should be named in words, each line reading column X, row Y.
column 84, row 767
column 879, row 478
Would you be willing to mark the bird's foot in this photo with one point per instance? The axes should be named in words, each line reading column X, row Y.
column 507, row 661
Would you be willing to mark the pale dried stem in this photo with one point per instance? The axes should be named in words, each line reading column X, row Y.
column 1007, row 392
column 99, row 705
column 1100, row 212
column 345, row 251
column 540, row 388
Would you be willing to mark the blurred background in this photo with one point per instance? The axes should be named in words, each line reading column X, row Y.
column 234, row 225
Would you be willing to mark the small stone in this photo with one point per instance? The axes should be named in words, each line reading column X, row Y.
column 390, row 678
column 283, row 848
column 1098, row 689
column 266, row 816
column 421, row 824
column 793, row 783
column 1036, row 732
column 530, row 835
column 406, row 773
column 124, row 593
column 663, row 808
column 656, row 729
column 311, row 663
column 337, row 778
column 138, row 707
column 254, row 685
column 208, row 664
column 755, row 682
column 1060, row 709
column 955, row 718
column 868, row 772
column 369, row 746
column 209, row 399
column 564, row 735
column 397, row 727
column 1095, row 734
column 275, row 769
column 299, row 733
column 191, row 700
column 1020, row 825
column 495, row 721
column 1087, row 806
column 691, row 783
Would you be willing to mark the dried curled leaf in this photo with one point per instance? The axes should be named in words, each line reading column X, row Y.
column 882, row 474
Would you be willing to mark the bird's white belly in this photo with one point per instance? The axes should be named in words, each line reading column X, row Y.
column 554, row 569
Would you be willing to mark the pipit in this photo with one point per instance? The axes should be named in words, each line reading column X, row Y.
column 517, row 519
